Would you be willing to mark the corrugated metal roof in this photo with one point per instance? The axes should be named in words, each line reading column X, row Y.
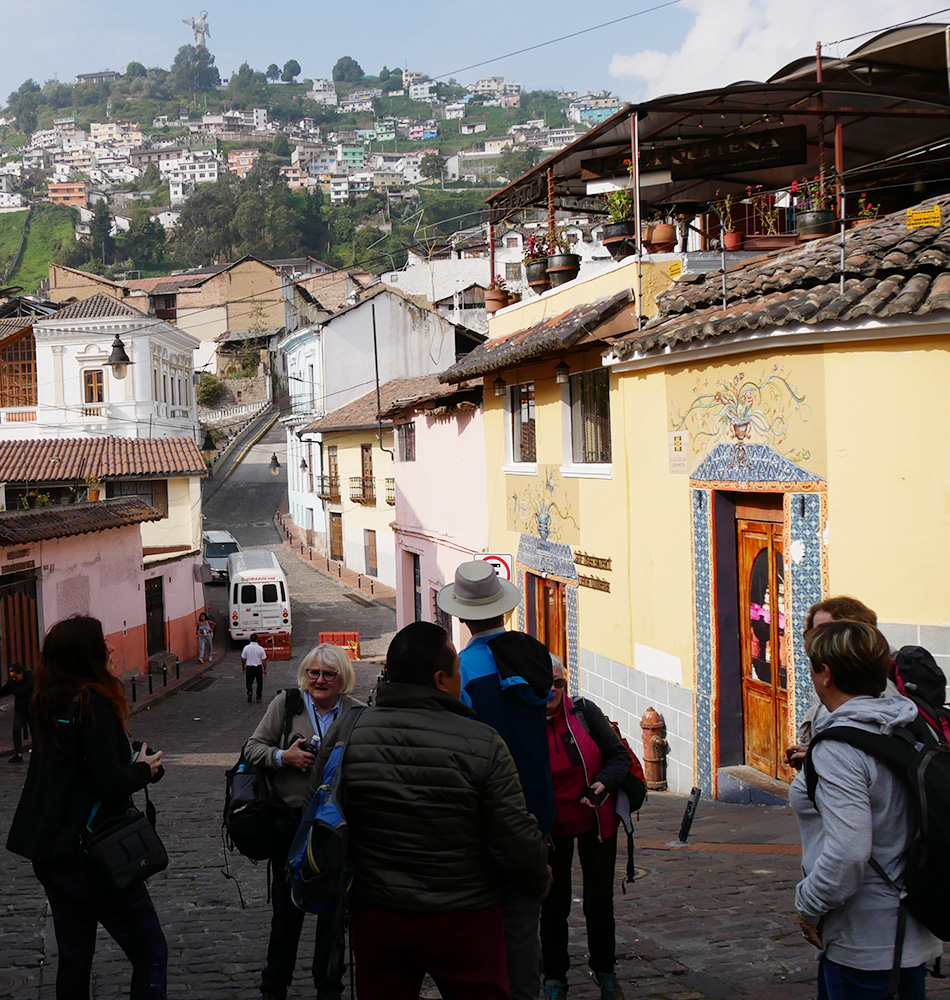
column 62, row 520
column 54, row 460
column 96, row 306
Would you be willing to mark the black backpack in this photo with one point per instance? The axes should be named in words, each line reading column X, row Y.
column 255, row 817
column 919, row 678
column 925, row 771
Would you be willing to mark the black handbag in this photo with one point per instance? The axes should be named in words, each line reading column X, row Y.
column 124, row 852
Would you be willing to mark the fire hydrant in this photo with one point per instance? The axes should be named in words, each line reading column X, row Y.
column 654, row 750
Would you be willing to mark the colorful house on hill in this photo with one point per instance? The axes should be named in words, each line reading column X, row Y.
column 679, row 492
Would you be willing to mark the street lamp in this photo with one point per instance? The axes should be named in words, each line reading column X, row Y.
column 208, row 447
column 119, row 361
column 274, row 465
column 303, row 465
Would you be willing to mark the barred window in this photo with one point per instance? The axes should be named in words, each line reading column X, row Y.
column 153, row 491
column 523, row 443
column 590, row 417
column 513, row 271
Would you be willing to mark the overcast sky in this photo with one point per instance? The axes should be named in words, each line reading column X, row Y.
column 665, row 48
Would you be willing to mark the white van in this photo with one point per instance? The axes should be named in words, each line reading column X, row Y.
column 218, row 545
column 257, row 595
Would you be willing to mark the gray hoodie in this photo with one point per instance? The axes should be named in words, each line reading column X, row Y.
column 863, row 811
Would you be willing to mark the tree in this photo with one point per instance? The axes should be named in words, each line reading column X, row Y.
column 193, row 69
column 311, row 224
column 347, row 70
column 247, row 86
column 432, row 166
column 384, row 74
column 280, row 146
column 145, row 240
column 100, row 233
column 210, row 390
column 518, row 160
column 24, row 103
column 291, row 69
column 272, row 72
column 135, row 69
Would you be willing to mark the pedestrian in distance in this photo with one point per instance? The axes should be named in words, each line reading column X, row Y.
column 588, row 762
column 20, row 685
column 254, row 665
column 437, row 826
column 205, row 638
column 82, row 771
column 324, row 682
column 861, row 815
column 506, row 678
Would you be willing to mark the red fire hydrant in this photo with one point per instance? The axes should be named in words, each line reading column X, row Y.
column 654, row 750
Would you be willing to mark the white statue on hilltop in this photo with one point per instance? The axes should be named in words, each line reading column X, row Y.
column 199, row 26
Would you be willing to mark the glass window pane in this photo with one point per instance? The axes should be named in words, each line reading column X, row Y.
column 523, row 443
column 590, row 417
column 269, row 593
column 248, row 593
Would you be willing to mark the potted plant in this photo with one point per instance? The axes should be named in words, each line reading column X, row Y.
column 659, row 234
column 536, row 262
column 814, row 216
column 620, row 229
column 563, row 265
column 867, row 212
column 35, row 499
column 496, row 295
column 731, row 239
column 93, row 485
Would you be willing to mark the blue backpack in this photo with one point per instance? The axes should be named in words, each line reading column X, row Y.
column 318, row 865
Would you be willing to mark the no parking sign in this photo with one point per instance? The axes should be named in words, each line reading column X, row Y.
column 502, row 561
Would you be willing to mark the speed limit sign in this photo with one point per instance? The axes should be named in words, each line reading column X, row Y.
column 502, row 561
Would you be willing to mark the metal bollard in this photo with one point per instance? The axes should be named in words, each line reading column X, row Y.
column 689, row 815
column 149, row 680
column 359, row 581
column 177, row 669
column 133, row 689
column 371, row 590
column 164, row 675
column 339, row 570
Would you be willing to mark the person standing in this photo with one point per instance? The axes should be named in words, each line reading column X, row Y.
column 205, row 638
column 82, row 761
column 254, row 665
column 324, row 682
column 588, row 762
column 437, row 824
column 506, row 678
column 861, row 811
column 20, row 685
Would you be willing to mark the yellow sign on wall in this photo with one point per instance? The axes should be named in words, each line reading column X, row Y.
column 676, row 268
column 917, row 217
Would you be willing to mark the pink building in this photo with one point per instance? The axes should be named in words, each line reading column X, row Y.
column 441, row 501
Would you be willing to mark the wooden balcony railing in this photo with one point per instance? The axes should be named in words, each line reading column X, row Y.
column 362, row 489
column 391, row 492
column 327, row 487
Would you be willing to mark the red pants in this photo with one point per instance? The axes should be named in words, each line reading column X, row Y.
column 464, row 953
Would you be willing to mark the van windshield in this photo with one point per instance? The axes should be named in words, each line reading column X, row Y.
column 220, row 550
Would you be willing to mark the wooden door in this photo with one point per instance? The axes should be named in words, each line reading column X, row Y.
column 762, row 642
column 547, row 613
column 333, row 473
column 155, row 615
column 19, row 624
column 336, row 537
column 366, row 465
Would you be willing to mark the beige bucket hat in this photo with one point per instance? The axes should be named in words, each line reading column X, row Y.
column 478, row 593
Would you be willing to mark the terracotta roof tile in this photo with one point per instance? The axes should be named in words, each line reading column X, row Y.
column 889, row 272
column 95, row 307
column 554, row 333
column 362, row 412
column 62, row 520
column 52, row 460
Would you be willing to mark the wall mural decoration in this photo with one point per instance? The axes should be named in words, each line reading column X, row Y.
column 753, row 407
column 545, row 507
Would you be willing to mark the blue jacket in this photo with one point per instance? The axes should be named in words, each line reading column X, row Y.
column 516, row 709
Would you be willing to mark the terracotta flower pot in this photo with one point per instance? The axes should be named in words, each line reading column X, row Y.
column 732, row 241
column 92, row 493
column 563, row 267
column 536, row 274
column 660, row 238
column 495, row 299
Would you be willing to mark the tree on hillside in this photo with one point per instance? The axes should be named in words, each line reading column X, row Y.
column 311, row 224
column 23, row 103
column 145, row 240
column 280, row 146
column 247, row 87
column 291, row 69
column 193, row 70
column 432, row 166
column 204, row 232
column 384, row 74
column 135, row 69
column 100, row 233
column 347, row 70
column 518, row 160
column 272, row 72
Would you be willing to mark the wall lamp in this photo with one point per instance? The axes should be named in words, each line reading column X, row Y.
column 500, row 385
column 562, row 373
column 303, row 465
column 119, row 361
column 274, row 465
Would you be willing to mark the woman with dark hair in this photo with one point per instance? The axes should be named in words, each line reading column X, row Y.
column 83, row 765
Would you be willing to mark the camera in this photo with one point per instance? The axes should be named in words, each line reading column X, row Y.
column 313, row 747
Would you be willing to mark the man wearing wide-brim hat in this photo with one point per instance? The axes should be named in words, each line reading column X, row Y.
column 506, row 678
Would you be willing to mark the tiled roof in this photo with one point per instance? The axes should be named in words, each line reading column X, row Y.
column 556, row 332
column 164, row 286
column 61, row 520
column 8, row 327
column 890, row 271
column 52, row 460
column 433, row 395
column 96, row 306
column 361, row 413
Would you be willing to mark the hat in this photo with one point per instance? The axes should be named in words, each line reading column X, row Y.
column 478, row 593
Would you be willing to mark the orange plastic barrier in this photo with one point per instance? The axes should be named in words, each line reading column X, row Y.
column 351, row 640
column 277, row 646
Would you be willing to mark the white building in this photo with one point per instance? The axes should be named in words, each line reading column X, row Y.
column 422, row 91
column 323, row 92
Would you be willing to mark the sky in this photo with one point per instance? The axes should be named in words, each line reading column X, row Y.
column 668, row 46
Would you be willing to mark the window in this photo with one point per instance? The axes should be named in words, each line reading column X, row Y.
column 513, row 271
column 269, row 593
column 590, row 417
column 511, row 242
column 18, row 372
column 92, row 386
column 440, row 617
column 153, row 491
column 523, row 444
column 248, row 593
column 406, row 442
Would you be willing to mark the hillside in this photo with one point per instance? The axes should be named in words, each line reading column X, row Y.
column 11, row 228
column 50, row 229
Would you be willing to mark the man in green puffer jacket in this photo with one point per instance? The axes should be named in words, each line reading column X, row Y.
column 437, row 824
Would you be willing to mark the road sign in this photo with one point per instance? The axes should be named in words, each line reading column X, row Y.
column 502, row 561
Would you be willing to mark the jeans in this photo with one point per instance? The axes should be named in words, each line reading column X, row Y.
column 255, row 674
column 522, row 944
column 78, row 906
column 598, row 861
column 205, row 647
column 840, row 982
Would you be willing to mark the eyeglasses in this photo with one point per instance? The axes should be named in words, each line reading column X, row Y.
column 560, row 682
column 327, row 675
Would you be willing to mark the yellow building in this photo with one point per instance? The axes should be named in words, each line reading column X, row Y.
column 678, row 495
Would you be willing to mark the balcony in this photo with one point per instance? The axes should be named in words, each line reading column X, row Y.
column 391, row 492
column 363, row 489
column 327, row 488
column 18, row 415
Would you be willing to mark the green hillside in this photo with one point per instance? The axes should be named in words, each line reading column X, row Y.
column 11, row 228
column 50, row 229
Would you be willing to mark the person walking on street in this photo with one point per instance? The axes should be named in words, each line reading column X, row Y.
column 254, row 665
column 205, row 638
column 506, row 678
column 324, row 682
column 83, row 765
column 20, row 685
column 861, row 811
column 588, row 762
column 437, row 824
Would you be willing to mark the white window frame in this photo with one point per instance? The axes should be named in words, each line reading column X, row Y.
column 570, row 468
column 511, row 467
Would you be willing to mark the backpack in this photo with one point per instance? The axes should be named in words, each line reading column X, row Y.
column 925, row 771
column 254, row 815
column 630, row 795
column 919, row 678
